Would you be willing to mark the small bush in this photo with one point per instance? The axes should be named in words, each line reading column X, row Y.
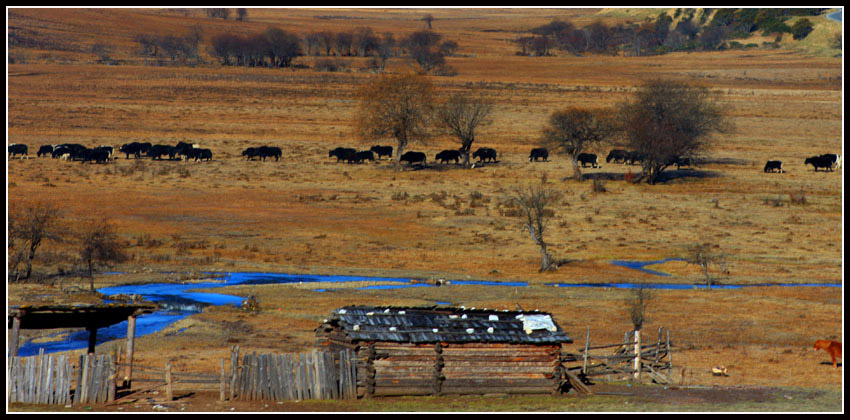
column 798, row 197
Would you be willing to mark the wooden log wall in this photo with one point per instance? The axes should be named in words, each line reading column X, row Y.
column 50, row 379
column 385, row 368
column 482, row 368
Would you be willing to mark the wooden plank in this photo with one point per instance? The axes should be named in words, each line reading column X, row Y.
column 169, row 386
column 78, row 389
column 13, row 379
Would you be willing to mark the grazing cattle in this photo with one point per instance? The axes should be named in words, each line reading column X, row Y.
column 485, row 154
column 269, row 151
column 249, row 153
column 831, row 347
column 773, row 165
column 364, row 155
column 96, row 155
column 834, row 158
column 108, row 149
column 413, row 157
column 135, row 148
column 634, row 158
column 198, row 154
column 538, row 153
column 588, row 158
column 45, row 150
column 343, row 153
column 202, row 154
column 61, row 151
column 157, row 151
column 184, row 149
column 17, row 149
column 447, row 155
column 618, row 156
column 822, row 161
column 382, row 151
column 680, row 161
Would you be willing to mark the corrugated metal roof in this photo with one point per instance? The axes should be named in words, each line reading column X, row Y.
column 441, row 324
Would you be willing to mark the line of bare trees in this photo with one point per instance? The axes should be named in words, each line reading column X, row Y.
column 272, row 48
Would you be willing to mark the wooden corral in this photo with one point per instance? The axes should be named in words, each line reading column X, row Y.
column 438, row 350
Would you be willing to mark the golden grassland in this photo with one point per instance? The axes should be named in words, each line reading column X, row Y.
column 309, row 214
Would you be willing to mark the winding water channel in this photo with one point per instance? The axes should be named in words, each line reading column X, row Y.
column 178, row 301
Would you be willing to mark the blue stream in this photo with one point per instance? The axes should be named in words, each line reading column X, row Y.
column 177, row 302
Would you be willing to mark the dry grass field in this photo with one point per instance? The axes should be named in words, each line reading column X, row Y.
column 309, row 214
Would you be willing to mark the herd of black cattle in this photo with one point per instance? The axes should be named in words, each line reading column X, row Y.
column 188, row 151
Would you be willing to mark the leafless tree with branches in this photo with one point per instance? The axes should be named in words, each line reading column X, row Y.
column 535, row 203
column 460, row 116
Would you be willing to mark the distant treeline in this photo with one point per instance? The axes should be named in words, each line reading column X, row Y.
column 661, row 36
column 276, row 47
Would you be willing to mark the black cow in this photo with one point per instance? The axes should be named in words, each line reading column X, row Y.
column 343, row 153
column 135, row 148
column 60, row 151
column 249, row 153
column 382, row 151
column 269, row 151
column 199, row 154
column 835, row 159
column 364, row 155
column 413, row 157
column 184, row 149
column 447, row 155
column 96, row 155
column 822, row 161
column 680, row 161
column 618, row 156
column 540, row 153
column 634, row 158
column 773, row 165
column 157, row 151
column 485, row 154
column 17, row 149
column 587, row 158
column 45, row 150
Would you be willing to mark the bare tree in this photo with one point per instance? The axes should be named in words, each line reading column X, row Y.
column 396, row 106
column 670, row 120
column 535, row 202
column 577, row 130
column 28, row 229
column 99, row 246
column 706, row 255
column 428, row 19
column 460, row 116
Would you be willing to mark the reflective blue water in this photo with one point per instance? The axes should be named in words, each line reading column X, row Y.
column 641, row 265
column 177, row 301
column 665, row 286
column 835, row 16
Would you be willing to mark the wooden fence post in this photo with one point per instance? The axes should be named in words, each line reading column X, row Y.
column 14, row 339
column 222, row 383
column 131, row 340
column 637, row 355
column 586, row 345
column 169, row 392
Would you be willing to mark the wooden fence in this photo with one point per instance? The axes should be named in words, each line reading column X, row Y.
column 293, row 376
column 656, row 359
column 53, row 379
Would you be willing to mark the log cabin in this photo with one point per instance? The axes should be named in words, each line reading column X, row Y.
column 445, row 350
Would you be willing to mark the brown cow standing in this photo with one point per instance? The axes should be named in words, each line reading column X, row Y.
column 831, row 347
